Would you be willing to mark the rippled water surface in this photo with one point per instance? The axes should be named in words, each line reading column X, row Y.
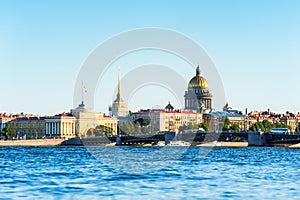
column 149, row 173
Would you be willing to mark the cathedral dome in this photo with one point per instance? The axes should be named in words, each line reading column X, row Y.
column 169, row 106
column 198, row 80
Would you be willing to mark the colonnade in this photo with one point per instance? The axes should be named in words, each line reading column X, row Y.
column 60, row 128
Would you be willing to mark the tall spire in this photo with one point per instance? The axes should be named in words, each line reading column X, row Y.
column 119, row 107
column 82, row 90
column 198, row 70
column 119, row 85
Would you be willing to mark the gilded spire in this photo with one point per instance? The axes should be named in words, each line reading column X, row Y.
column 119, row 85
column 198, row 70
column 119, row 107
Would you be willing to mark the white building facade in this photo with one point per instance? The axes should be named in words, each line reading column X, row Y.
column 169, row 120
column 62, row 125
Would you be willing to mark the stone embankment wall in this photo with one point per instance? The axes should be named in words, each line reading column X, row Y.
column 296, row 146
column 39, row 142
column 232, row 144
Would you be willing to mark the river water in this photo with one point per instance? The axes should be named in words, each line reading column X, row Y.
column 149, row 173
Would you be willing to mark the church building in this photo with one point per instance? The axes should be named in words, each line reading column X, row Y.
column 119, row 108
column 198, row 97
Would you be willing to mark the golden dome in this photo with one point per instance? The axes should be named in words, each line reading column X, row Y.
column 198, row 80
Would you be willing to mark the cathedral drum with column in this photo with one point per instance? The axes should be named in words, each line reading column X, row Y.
column 198, row 97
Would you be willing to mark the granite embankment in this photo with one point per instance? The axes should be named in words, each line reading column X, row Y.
column 295, row 146
column 232, row 144
column 225, row 144
column 38, row 142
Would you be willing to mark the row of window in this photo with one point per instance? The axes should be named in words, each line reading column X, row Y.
column 181, row 117
column 28, row 131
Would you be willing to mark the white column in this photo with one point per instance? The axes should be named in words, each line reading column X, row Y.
column 58, row 128
column 54, row 123
column 51, row 127
column 46, row 128
column 70, row 128
column 65, row 128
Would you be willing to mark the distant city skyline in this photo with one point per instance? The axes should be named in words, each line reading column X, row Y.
column 255, row 47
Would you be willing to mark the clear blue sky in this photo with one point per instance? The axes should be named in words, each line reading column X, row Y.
column 254, row 44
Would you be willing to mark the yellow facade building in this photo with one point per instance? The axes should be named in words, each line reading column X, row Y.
column 87, row 120
column 4, row 120
column 28, row 127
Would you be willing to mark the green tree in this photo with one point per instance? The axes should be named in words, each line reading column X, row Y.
column 192, row 126
column 143, row 126
column 152, row 128
column 8, row 132
column 259, row 125
column 101, row 130
column 138, row 128
column 132, row 128
column 235, row 127
column 252, row 127
column 3, row 134
column 279, row 125
column 268, row 125
column 226, row 124
column 204, row 125
column 125, row 128
column 90, row 132
column 148, row 128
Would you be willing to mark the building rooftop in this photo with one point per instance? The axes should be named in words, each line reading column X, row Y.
column 226, row 114
column 165, row 111
column 29, row 118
